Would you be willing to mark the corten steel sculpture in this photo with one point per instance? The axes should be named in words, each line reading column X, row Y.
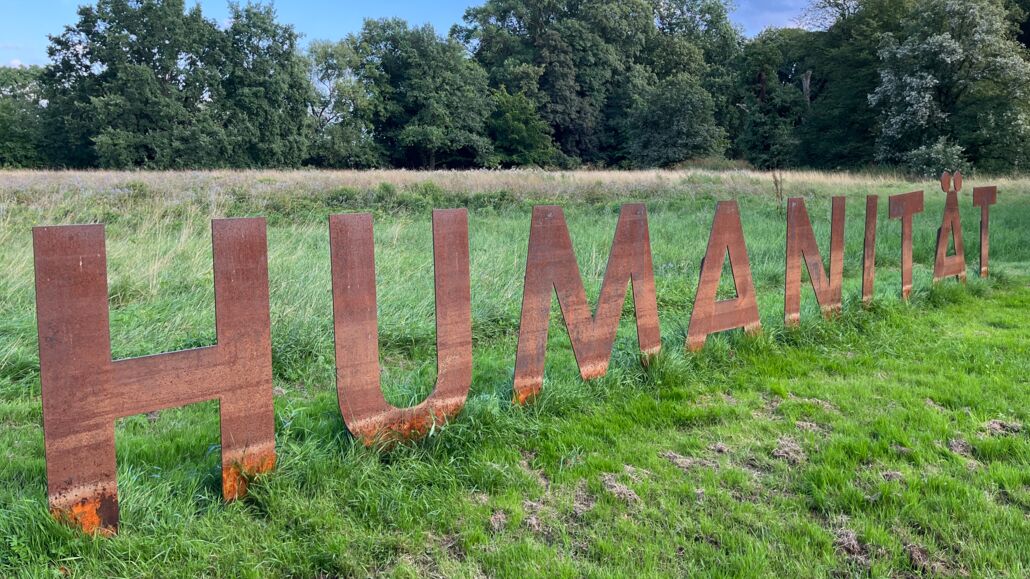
column 906, row 207
column 946, row 266
column 872, row 206
column 85, row 391
column 984, row 198
column 802, row 248
column 366, row 412
column 551, row 267
column 711, row 316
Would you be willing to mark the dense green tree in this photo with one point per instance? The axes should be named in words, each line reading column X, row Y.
column 924, row 84
column 147, row 83
column 772, row 98
column 129, row 86
column 588, row 63
column 264, row 92
column 20, row 121
column 672, row 123
column 840, row 128
column 429, row 101
column 954, row 80
column 520, row 135
column 340, row 109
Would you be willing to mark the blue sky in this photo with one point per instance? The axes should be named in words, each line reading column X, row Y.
column 26, row 23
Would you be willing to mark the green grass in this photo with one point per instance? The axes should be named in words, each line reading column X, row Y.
column 585, row 481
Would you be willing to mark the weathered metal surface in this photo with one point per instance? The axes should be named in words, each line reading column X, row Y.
column 85, row 391
column 551, row 268
column 905, row 207
column 711, row 316
column 872, row 206
column 946, row 266
column 803, row 249
column 984, row 198
column 356, row 325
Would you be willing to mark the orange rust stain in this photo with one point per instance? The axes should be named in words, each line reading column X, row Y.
column 236, row 478
column 594, row 371
column 86, row 515
column 406, row 425
column 527, row 393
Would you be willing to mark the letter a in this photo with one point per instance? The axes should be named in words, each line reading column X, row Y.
column 950, row 266
column 551, row 267
column 356, row 326
column 85, row 391
column 711, row 316
column 801, row 245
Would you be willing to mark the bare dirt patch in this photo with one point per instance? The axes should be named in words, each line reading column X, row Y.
column 921, row 561
column 826, row 406
column 930, row 402
column 583, row 502
column 719, row 448
column 892, row 476
column 846, row 541
column 621, row 491
column 687, row 464
column 812, row 427
column 789, row 450
column 960, row 446
column 498, row 521
column 635, row 474
column 533, row 511
column 1002, row 428
column 536, row 474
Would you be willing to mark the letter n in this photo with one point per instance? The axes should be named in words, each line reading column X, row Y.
column 551, row 267
column 366, row 412
column 711, row 316
column 802, row 248
column 951, row 227
column 85, row 391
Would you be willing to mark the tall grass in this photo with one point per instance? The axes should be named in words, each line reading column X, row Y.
column 334, row 507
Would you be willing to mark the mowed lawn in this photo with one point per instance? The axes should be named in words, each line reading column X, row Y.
column 890, row 441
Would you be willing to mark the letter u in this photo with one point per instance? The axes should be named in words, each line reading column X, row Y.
column 366, row 412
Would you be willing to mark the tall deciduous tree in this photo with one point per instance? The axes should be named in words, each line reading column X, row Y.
column 147, row 83
column 430, row 102
column 340, row 109
column 672, row 123
column 20, row 122
column 520, row 135
column 954, row 80
column 130, row 85
column 264, row 90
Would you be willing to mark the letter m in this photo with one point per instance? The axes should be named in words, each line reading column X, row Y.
column 551, row 266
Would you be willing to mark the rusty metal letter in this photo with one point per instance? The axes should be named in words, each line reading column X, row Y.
column 711, row 316
column 872, row 205
column 984, row 198
column 551, row 267
column 946, row 266
column 366, row 412
column 905, row 207
column 802, row 247
column 85, row 391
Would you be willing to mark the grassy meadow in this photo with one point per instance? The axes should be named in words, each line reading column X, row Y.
column 891, row 441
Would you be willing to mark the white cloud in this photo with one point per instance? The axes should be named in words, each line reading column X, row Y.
column 15, row 63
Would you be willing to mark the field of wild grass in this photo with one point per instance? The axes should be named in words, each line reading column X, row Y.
column 890, row 441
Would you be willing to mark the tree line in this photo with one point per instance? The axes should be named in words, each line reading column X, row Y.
column 921, row 85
